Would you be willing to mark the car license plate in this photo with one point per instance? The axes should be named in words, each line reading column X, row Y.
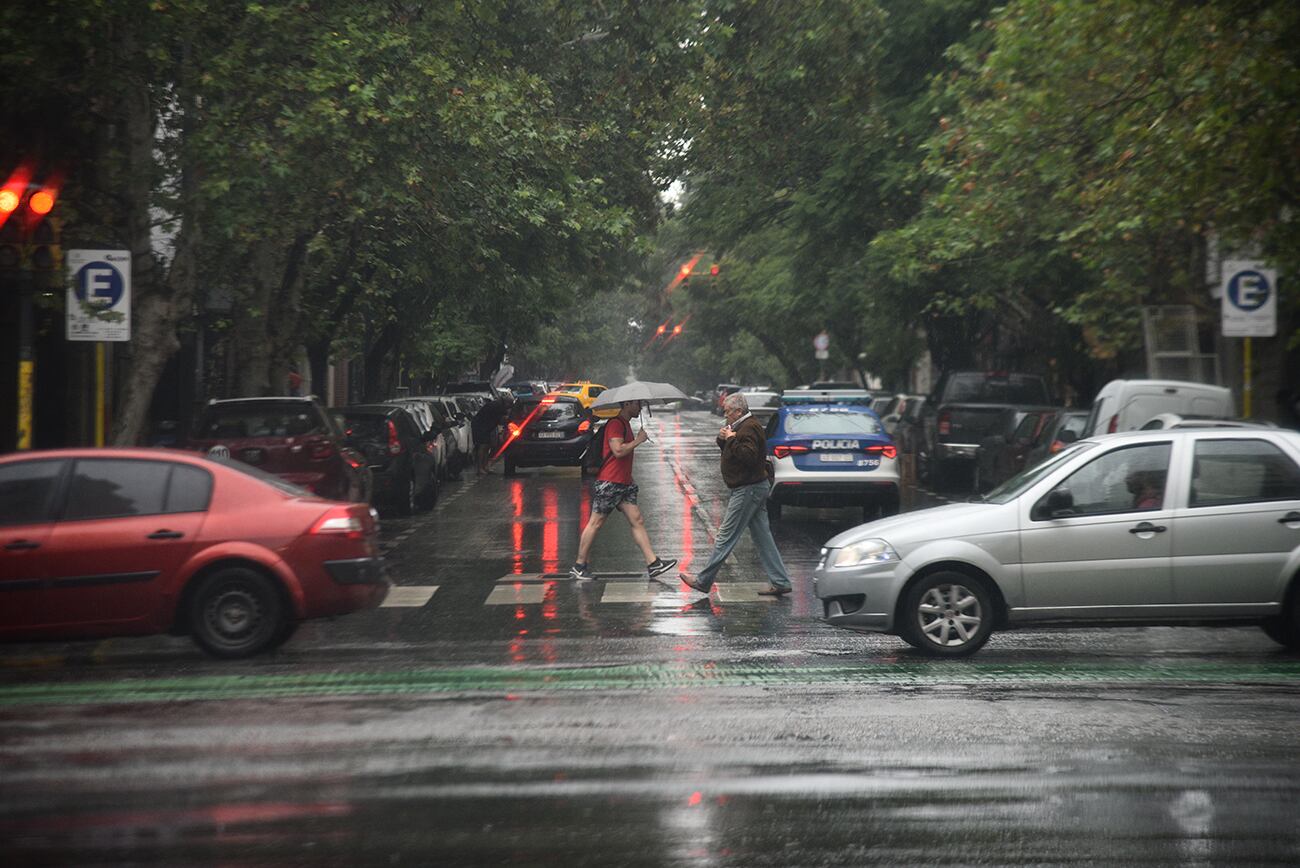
column 550, row 435
column 837, row 456
column 868, row 463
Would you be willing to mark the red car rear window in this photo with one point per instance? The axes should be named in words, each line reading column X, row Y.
column 260, row 419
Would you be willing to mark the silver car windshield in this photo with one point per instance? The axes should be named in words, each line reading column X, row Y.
column 1012, row 488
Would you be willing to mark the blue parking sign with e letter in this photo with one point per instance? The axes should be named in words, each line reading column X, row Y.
column 1248, row 290
column 99, row 283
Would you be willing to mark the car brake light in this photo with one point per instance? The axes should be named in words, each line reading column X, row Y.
column 888, row 450
column 945, row 423
column 394, row 443
column 320, row 449
column 793, row 449
column 340, row 520
column 1114, row 423
column 514, row 430
column 584, row 425
column 548, row 400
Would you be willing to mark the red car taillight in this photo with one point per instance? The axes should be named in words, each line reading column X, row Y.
column 945, row 424
column 515, row 430
column 340, row 520
column 793, row 449
column 887, row 450
column 394, row 442
column 1056, row 447
column 1114, row 423
column 584, row 425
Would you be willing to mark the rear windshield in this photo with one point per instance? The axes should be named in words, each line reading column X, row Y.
column 366, row 429
column 262, row 419
column 1011, row 389
column 549, row 412
column 832, row 423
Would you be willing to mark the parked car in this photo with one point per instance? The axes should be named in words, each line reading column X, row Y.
column 966, row 407
column 132, row 542
column 396, row 449
column 721, row 391
column 1186, row 526
column 460, row 443
column 294, row 438
column 527, row 388
column 1125, row 405
column 1003, row 454
column 908, row 429
column 551, row 430
column 1064, row 428
column 891, row 410
column 831, row 454
column 436, row 430
column 763, row 405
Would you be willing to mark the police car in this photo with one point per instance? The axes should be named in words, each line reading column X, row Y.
column 830, row 449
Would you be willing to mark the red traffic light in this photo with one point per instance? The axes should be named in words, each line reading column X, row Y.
column 714, row 269
column 9, row 200
column 677, row 329
column 41, row 202
column 686, row 270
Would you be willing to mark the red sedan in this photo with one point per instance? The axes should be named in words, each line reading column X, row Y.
column 120, row 542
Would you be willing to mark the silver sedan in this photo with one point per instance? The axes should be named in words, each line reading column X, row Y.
column 1194, row 526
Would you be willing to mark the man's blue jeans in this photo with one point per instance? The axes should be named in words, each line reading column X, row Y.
column 746, row 508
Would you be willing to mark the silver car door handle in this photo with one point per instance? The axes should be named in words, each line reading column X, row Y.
column 1147, row 527
column 1289, row 517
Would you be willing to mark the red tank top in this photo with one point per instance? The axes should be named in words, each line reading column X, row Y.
column 617, row 469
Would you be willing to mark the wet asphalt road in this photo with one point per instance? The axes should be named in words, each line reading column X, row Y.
column 492, row 715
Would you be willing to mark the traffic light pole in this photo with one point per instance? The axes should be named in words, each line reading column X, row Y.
column 26, row 363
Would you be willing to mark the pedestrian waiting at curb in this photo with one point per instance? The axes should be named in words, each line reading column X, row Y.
column 744, row 470
column 484, row 427
column 614, row 489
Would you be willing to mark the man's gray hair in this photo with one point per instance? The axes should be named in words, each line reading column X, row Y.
column 736, row 401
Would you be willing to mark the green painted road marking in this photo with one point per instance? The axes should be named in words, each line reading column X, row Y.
column 502, row 679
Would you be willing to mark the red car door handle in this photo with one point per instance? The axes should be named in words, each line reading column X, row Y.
column 20, row 544
column 166, row 534
column 1289, row 517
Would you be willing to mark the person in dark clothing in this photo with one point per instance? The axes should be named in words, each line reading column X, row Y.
column 484, row 428
column 744, row 470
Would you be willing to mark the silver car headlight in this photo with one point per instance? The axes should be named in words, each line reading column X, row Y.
column 870, row 551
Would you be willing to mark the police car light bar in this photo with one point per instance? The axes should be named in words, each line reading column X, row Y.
column 826, row 396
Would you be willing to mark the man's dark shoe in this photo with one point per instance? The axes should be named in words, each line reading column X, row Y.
column 660, row 566
column 774, row 591
column 686, row 580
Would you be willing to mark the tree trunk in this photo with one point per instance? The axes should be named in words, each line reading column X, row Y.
column 158, row 304
column 778, row 352
column 380, row 358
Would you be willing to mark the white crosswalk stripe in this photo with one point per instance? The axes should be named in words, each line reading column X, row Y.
column 409, row 596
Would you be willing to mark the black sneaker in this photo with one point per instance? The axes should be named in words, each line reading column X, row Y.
column 660, row 566
column 582, row 573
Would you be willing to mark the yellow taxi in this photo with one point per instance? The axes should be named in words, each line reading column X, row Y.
column 586, row 391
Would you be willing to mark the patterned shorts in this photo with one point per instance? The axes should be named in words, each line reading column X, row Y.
column 606, row 496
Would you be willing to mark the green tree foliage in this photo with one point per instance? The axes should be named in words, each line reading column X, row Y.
column 374, row 174
column 1090, row 148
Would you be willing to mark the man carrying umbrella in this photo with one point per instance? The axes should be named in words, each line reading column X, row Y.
column 614, row 488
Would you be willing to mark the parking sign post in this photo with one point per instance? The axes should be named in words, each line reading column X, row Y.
column 1249, row 307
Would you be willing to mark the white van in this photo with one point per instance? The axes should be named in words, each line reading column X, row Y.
column 1124, row 405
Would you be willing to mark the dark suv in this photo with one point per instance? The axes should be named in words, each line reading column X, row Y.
column 404, row 466
column 293, row 438
column 548, row 430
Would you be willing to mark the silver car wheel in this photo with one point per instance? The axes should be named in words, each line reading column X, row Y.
column 949, row 615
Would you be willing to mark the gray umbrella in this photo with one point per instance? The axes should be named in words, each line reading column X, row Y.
column 639, row 390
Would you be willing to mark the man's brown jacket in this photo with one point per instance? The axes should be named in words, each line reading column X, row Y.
column 744, row 457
